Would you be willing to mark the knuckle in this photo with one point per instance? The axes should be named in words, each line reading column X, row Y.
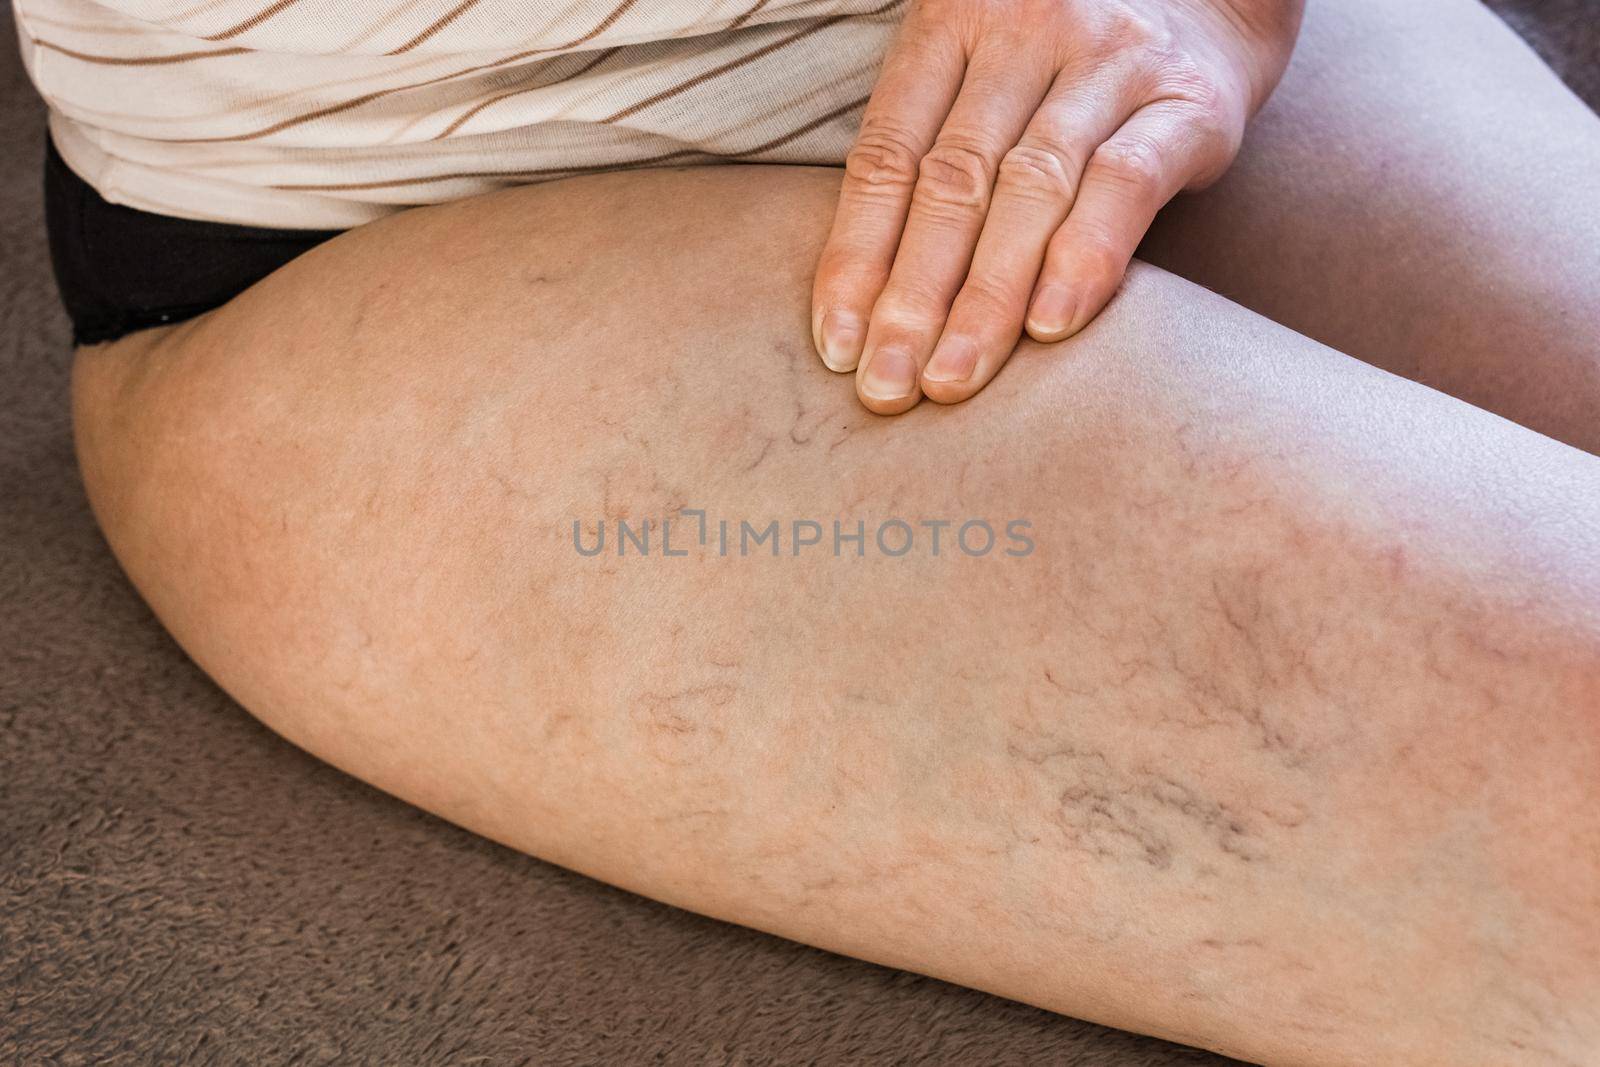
column 844, row 270
column 1208, row 135
column 845, row 290
column 1134, row 163
column 1036, row 168
column 954, row 176
column 1101, row 255
column 1208, row 97
column 987, row 299
column 906, row 309
column 884, row 155
column 1122, row 27
column 1216, row 144
column 837, row 260
column 1098, row 253
column 1202, row 95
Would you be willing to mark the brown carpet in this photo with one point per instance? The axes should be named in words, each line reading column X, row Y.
column 179, row 886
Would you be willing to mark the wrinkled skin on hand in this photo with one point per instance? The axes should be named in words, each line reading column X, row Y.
column 1012, row 156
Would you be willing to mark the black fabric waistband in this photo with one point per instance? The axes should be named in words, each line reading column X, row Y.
column 120, row 269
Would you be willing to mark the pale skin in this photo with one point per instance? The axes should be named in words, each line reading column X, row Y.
column 1011, row 159
column 1284, row 742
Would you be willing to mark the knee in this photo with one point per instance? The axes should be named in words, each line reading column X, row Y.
column 285, row 535
column 183, row 500
column 126, row 429
column 148, row 442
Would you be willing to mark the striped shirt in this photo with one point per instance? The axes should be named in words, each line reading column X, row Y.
column 329, row 113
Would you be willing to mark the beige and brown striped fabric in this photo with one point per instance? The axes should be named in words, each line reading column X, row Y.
column 329, row 113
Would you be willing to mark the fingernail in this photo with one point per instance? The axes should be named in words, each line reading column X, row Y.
column 841, row 340
column 953, row 361
column 1053, row 310
column 891, row 374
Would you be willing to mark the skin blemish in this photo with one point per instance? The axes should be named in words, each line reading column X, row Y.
column 685, row 726
column 1113, row 812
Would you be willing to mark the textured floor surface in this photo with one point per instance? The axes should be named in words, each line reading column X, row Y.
column 179, row 886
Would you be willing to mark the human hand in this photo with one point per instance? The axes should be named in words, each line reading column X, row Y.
column 1012, row 157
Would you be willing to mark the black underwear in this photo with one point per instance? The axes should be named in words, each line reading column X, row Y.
column 121, row 270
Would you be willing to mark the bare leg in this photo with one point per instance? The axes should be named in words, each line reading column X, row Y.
column 1420, row 193
column 1282, row 741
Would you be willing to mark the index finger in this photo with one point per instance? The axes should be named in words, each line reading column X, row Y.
column 915, row 90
